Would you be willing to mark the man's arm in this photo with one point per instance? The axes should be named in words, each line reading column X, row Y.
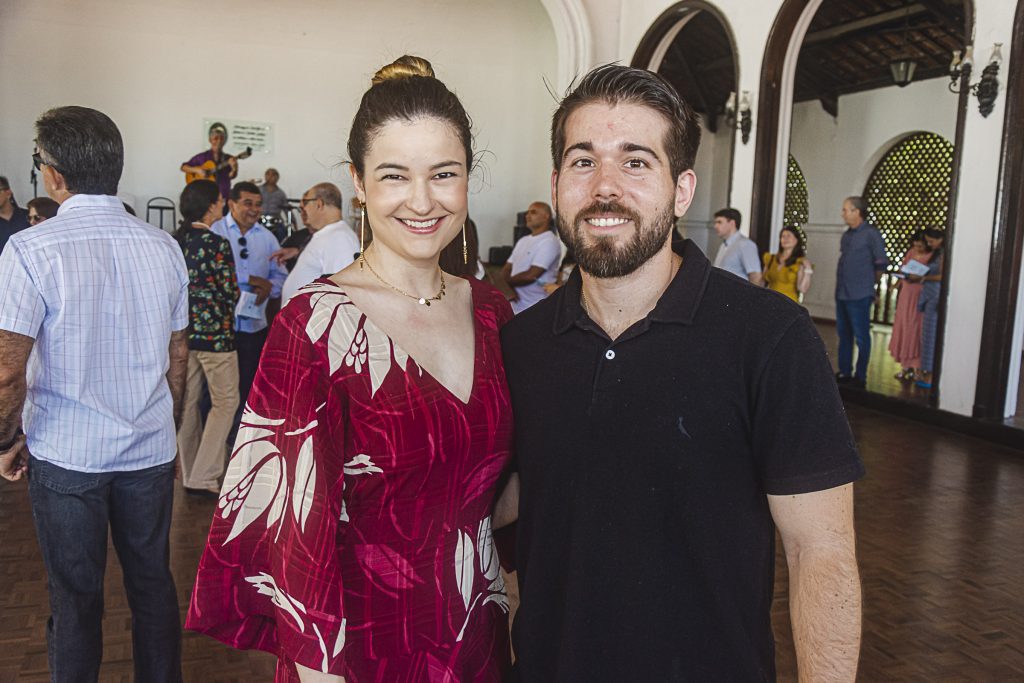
column 757, row 278
column 528, row 276
column 178, row 371
column 824, row 586
column 14, row 352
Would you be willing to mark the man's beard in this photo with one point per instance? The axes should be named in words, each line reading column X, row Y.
column 600, row 256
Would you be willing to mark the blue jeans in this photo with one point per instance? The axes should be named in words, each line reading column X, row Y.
column 72, row 512
column 853, row 321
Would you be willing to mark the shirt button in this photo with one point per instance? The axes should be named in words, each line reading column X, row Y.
column 609, row 354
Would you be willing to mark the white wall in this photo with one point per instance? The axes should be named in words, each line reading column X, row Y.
column 868, row 125
column 159, row 68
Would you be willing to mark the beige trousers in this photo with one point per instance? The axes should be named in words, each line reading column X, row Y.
column 203, row 451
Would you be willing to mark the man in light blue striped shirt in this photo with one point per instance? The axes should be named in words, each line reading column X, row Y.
column 252, row 246
column 93, row 354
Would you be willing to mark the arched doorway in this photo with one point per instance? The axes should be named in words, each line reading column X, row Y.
column 691, row 45
column 825, row 54
column 999, row 368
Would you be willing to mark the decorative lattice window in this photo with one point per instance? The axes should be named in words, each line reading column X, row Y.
column 909, row 190
column 795, row 208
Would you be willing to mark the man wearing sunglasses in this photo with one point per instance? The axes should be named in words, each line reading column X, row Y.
column 12, row 217
column 252, row 246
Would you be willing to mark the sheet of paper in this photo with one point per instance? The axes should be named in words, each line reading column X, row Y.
column 248, row 308
column 913, row 267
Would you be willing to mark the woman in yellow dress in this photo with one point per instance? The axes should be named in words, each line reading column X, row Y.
column 788, row 271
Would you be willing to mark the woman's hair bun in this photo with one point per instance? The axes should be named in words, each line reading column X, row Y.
column 405, row 66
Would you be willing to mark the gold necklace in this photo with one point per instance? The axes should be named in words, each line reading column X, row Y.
column 423, row 301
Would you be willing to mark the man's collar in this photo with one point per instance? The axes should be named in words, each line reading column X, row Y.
column 678, row 304
column 78, row 201
column 728, row 241
column 232, row 224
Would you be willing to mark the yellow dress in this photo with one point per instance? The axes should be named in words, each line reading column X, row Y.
column 782, row 278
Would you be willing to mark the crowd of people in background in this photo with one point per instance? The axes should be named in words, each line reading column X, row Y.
column 370, row 425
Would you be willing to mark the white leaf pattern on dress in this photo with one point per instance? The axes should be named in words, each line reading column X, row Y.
column 255, row 481
column 323, row 647
column 487, row 555
column 464, row 571
column 361, row 464
column 340, row 641
column 353, row 339
column 305, row 483
column 265, row 584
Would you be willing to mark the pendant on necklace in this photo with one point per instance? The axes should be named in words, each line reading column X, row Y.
column 423, row 301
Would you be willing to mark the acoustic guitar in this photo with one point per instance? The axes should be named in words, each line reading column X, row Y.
column 211, row 168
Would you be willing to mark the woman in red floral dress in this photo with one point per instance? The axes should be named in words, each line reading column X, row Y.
column 353, row 532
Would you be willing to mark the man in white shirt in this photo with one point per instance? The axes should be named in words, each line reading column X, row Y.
column 93, row 354
column 534, row 260
column 333, row 246
column 738, row 253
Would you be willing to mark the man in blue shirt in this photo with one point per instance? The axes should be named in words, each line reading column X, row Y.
column 93, row 358
column 862, row 261
column 252, row 245
column 738, row 253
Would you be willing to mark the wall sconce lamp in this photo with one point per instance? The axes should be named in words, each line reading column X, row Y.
column 987, row 89
column 741, row 120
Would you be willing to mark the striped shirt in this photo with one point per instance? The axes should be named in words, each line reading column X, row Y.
column 100, row 292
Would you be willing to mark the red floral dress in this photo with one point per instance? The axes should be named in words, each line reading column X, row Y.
column 353, row 531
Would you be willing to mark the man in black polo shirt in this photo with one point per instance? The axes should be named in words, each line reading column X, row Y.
column 13, row 218
column 687, row 414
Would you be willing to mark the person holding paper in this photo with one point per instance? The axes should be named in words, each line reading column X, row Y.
column 928, row 304
column 905, row 343
column 259, row 278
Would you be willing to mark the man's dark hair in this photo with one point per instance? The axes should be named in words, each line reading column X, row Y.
column 4, row 184
column 860, row 204
column 730, row 215
column 44, row 206
column 614, row 84
column 244, row 186
column 84, row 146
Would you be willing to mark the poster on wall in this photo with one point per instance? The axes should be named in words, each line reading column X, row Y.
column 241, row 134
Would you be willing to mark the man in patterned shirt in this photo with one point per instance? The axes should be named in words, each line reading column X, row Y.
column 99, row 301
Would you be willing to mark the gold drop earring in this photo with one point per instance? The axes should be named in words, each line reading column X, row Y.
column 465, row 246
column 362, row 234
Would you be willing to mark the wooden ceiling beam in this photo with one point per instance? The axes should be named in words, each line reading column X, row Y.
column 946, row 14
column 711, row 113
column 865, row 24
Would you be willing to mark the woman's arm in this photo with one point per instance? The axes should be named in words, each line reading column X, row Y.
column 506, row 508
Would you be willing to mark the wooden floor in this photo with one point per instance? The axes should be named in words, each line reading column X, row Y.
column 882, row 368
column 940, row 537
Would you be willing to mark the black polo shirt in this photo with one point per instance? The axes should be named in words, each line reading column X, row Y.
column 646, row 546
column 17, row 223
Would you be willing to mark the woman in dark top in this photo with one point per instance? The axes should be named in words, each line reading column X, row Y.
column 928, row 303
column 212, row 293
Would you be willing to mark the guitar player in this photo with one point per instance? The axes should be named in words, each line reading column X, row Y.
column 216, row 155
